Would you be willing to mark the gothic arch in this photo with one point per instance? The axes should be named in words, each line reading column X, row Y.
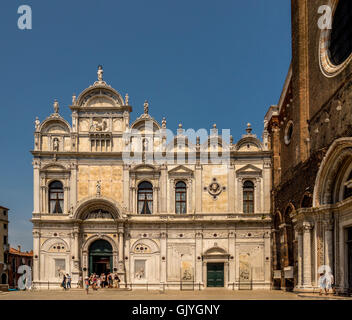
column 91, row 203
column 336, row 160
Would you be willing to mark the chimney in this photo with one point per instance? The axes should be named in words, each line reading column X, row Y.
column 19, row 248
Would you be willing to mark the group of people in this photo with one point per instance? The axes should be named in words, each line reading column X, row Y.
column 66, row 281
column 326, row 282
column 111, row 280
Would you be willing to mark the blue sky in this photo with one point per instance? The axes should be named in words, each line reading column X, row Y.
column 198, row 62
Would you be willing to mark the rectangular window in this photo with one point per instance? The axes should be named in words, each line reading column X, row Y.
column 5, row 226
column 5, row 240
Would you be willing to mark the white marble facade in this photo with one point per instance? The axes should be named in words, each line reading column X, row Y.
column 87, row 182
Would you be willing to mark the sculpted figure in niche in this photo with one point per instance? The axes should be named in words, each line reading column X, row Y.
column 187, row 275
column 98, row 186
column 56, row 144
column 140, row 273
column 99, row 125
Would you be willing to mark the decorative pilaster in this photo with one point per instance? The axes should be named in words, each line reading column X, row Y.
column 198, row 270
column 307, row 256
column 199, row 189
column 299, row 257
column 121, row 251
column 36, row 254
column 126, row 201
column 328, row 243
column 231, row 188
column 36, row 186
column 163, row 254
column 163, row 190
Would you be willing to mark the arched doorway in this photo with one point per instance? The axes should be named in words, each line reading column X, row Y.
column 100, row 257
column 3, row 279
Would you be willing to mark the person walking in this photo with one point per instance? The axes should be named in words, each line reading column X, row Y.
column 63, row 284
column 116, row 281
column 68, row 286
column 322, row 283
column 86, row 284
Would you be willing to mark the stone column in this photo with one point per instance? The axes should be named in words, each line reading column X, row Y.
column 307, row 255
column 299, row 257
column 189, row 196
column 163, row 189
column 232, row 263
column 121, row 251
column 267, row 258
column 231, row 188
column 75, row 271
column 172, row 196
column 198, row 269
column 126, row 192
column 66, row 199
column 76, row 246
column 155, row 200
column 240, row 195
column 36, row 187
column 163, row 255
column 199, row 189
column 133, row 200
column 328, row 243
column 36, row 255
column 73, row 185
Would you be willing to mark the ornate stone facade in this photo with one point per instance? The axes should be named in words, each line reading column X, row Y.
column 106, row 201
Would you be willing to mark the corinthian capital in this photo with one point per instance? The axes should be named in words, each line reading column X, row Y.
column 307, row 226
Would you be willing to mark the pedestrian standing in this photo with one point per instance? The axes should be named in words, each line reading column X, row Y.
column 63, row 284
column 329, row 282
column 86, row 284
column 322, row 283
column 68, row 281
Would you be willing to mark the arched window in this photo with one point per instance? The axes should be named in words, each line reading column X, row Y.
column 341, row 34
column 56, row 197
column 348, row 190
column 145, row 198
column 248, row 197
column 180, row 197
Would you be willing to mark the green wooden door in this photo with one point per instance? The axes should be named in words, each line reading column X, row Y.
column 215, row 275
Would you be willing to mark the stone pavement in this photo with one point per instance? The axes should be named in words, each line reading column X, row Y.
column 209, row 294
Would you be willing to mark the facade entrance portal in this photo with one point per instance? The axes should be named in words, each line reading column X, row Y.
column 215, row 275
column 100, row 257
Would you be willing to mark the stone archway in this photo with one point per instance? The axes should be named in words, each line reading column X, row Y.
column 86, row 253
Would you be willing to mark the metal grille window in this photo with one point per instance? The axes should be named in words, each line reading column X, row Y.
column 180, row 197
column 341, row 34
column 145, row 198
column 248, row 197
column 56, row 197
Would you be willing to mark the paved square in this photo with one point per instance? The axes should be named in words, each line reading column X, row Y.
column 111, row 294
